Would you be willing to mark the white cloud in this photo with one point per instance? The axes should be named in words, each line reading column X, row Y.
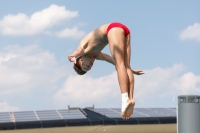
column 156, row 80
column 71, row 33
column 191, row 32
column 150, row 89
column 38, row 22
column 86, row 91
column 188, row 83
column 5, row 107
column 24, row 69
column 161, row 85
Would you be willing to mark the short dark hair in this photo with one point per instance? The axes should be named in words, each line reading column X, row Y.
column 77, row 67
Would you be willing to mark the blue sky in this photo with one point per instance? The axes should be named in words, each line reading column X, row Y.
column 36, row 38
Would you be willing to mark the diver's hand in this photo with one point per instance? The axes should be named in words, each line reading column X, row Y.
column 138, row 72
column 72, row 58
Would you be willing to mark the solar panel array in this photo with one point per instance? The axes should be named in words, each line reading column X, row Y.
column 5, row 117
column 71, row 114
column 138, row 112
column 21, row 116
column 25, row 116
column 48, row 115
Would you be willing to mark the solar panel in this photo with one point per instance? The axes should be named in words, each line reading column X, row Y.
column 25, row 116
column 165, row 111
column 155, row 112
column 172, row 109
column 48, row 115
column 5, row 117
column 71, row 114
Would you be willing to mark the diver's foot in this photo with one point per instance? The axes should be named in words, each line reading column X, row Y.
column 130, row 109
column 126, row 106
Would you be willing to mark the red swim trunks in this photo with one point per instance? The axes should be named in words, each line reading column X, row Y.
column 116, row 24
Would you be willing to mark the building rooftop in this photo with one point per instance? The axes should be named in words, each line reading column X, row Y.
column 88, row 116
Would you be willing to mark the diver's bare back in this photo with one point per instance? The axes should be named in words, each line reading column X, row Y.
column 95, row 41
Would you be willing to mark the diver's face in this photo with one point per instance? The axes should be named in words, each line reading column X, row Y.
column 87, row 63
